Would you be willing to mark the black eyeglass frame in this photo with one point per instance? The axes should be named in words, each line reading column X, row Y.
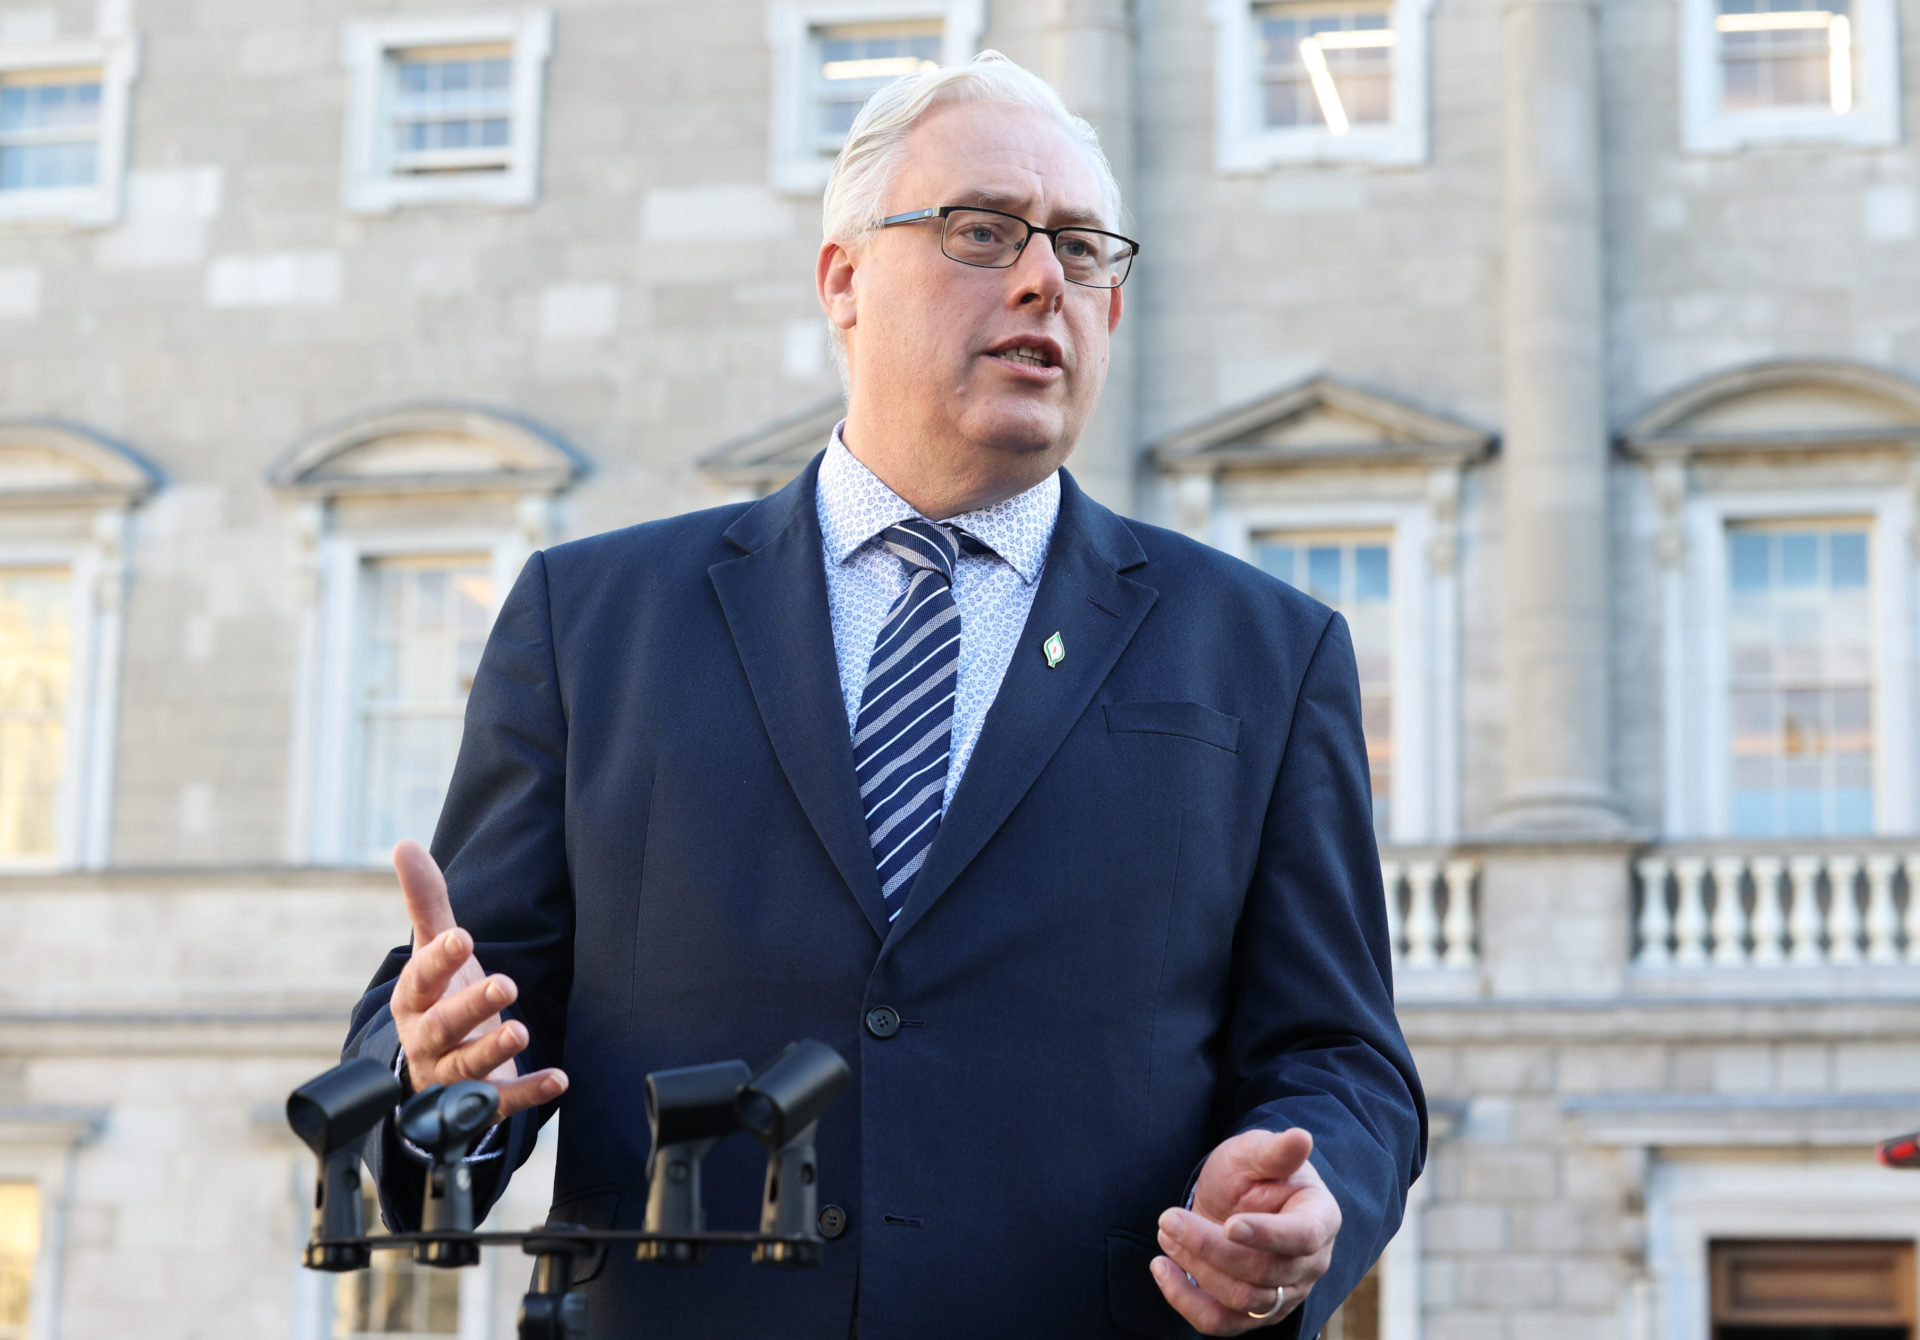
column 1052, row 235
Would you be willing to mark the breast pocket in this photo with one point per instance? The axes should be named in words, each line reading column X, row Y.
column 1191, row 721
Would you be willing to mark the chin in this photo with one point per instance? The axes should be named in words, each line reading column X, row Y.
column 1021, row 428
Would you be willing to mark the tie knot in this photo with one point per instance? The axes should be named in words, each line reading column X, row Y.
column 929, row 546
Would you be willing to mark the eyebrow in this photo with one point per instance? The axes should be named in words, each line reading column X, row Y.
column 1063, row 217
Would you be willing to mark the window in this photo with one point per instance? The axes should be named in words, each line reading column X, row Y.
column 445, row 108
column 36, row 670
column 1783, row 70
column 1319, row 81
column 1786, row 1290
column 19, row 1250
column 1800, row 652
column 63, row 122
column 424, row 621
column 1352, row 574
column 395, row 1296
column 829, row 56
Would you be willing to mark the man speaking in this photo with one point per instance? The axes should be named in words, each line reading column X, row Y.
column 1054, row 824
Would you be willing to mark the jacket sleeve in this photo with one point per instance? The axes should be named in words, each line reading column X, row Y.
column 501, row 842
column 1312, row 1039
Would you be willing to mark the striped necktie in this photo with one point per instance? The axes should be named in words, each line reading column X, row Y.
column 902, row 737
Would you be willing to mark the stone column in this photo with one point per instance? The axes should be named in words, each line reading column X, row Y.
column 1090, row 56
column 1554, row 468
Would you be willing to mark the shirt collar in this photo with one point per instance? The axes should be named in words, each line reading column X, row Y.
column 855, row 506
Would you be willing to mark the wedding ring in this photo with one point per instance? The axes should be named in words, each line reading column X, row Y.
column 1279, row 1297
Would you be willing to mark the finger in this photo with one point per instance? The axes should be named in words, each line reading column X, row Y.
column 1305, row 1228
column 1282, row 1153
column 429, row 970
column 1203, row 1311
column 1239, row 1277
column 483, row 1056
column 542, row 1086
column 425, row 891
column 458, row 1017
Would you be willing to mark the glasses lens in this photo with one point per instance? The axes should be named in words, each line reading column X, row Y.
column 1098, row 260
column 977, row 237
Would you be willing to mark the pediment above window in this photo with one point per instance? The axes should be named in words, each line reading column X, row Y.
column 1786, row 406
column 428, row 449
column 1321, row 422
column 774, row 453
column 45, row 462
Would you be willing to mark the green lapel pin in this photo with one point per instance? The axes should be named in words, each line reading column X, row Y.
column 1055, row 648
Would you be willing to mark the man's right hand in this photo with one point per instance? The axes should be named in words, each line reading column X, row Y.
column 448, row 1008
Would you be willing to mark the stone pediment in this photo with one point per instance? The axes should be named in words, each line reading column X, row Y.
column 770, row 455
column 1786, row 405
column 46, row 462
column 433, row 448
column 1322, row 421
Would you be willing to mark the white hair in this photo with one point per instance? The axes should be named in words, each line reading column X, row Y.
column 857, row 188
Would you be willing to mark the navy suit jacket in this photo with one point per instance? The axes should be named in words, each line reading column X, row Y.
column 1152, row 918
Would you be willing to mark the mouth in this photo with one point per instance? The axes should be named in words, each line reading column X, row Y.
column 1031, row 354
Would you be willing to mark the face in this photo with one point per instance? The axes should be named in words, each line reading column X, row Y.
column 944, row 354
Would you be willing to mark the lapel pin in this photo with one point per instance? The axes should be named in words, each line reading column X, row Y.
column 1055, row 648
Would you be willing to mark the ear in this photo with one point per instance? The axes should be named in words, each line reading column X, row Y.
column 1113, row 312
column 833, row 280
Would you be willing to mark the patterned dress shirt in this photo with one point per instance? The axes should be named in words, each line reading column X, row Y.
column 994, row 591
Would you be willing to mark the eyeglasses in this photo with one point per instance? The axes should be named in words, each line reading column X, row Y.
column 994, row 240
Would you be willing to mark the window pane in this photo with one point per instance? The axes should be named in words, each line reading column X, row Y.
column 19, row 1249
column 1800, row 657
column 1788, row 54
column 452, row 109
column 1325, row 65
column 424, row 623
column 852, row 61
column 1275, row 559
column 35, row 665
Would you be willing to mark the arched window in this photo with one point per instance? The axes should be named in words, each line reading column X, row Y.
column 65, row 497
column 412, row 523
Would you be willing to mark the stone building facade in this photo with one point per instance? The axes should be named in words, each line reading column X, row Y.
column 1571, row 346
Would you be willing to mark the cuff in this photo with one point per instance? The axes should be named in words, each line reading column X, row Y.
column 488, row 1148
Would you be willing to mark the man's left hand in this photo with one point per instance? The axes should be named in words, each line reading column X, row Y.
column 1261, row 1220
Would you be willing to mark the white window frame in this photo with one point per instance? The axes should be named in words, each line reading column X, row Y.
column 330, row 752
column 367, row 47
column 1424, row 790
column 42, row 1145
column 795, row 166
column 83, row 809
column 1706, row 127
column 118, row 60
column 1242, row 144
column 1696, row 713
column 1692, row 1202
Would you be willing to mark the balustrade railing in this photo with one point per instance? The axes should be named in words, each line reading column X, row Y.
column 1803, row 905
column 1432, row 916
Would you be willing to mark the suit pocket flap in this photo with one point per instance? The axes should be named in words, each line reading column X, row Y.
column 1188, row 719
column 1134, row 1301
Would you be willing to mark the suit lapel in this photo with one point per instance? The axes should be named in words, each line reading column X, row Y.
column 775, row 598
column 1096, row 610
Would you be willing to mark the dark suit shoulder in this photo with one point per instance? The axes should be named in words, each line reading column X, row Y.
column 1229, row 587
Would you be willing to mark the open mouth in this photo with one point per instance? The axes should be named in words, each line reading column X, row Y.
column 1026, row 356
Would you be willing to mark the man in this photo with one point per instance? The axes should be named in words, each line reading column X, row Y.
column 1055, row 825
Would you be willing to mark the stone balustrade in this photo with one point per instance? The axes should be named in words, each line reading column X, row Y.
column 1768, row 905
column 1431, row 913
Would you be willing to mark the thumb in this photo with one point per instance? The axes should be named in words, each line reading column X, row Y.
column 425, row 891
column 1283, row 1154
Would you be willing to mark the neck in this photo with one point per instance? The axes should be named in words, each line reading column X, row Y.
column 965, row 477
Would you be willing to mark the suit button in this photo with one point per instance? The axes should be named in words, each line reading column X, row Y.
column 833, row 1221
column 882, row 1021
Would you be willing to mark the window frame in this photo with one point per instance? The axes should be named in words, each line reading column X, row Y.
column 1423, row 789
column 1243, row 145
column 1708, row 127
column 1698, row 783
column 367, row 47
column 795, row 166
column 41, row 1145
column 96, row 206
column 336, row 743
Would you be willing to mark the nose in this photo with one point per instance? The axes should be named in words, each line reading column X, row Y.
column 1037, row 274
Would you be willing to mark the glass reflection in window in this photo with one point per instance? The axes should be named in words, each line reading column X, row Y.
column 1327, row 66
column 36, row 663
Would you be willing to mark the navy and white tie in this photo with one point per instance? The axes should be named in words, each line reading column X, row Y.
column 905, row 729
